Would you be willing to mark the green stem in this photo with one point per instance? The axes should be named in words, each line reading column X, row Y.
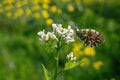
column 57, row 59
column 57, row 66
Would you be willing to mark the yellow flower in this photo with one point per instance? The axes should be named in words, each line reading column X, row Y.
column 84, row 62
column 77, row 2
column 70, row 8
column 8, row 14
column 46, row 1
column 78, row 45
column 41, row 1
column 27, row 12
column 49, row 21
column 18, row 13
column 78, row 53
column 37, row 15
column 1, row 10
column 25, row 2
column 97, row 65
column 8, row 1
column 36, row 1
column 45, row 14
column 77, row 50
column 112, row 79
column 53, row 9
column 59, row 11
column 45, row 6
column 35, row 7
column 88, row 51
column 8, row 7
column 19, row 4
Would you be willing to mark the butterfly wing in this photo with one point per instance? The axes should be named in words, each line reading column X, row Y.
column 90, row 37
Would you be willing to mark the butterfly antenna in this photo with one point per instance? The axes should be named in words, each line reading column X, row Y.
column 75, row 28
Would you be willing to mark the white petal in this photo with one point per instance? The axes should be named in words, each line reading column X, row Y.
column 41, row 33
column 71, row 54
column 74, row 58
column 69, row 27
column 54, row 26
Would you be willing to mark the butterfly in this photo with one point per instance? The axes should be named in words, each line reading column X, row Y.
column 90, row 37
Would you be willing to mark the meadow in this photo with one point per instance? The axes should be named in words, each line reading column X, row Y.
column 22, row 53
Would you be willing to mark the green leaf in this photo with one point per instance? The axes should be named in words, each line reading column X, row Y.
column 70, row 65
column 45, row 73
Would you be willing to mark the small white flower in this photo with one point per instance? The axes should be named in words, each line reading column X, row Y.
column 71, row 54
column 54, row 26
column 59, row 29
column 70, row 35
column 69, row 27
column 68, row 56
column 53, row 36
column 69, row 39
column 46, row 37
column 70, row 31
column 41, row 33
column 66, row 34
column 74, row 58
column 71, row 57
column 59, row 26
column 62, row 31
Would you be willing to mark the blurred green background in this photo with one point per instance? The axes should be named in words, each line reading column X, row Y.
column 21, row 53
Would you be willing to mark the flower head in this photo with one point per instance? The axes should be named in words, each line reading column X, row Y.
column 69, row 39
column 41, row 33
column 97, row 65
column 46, row 37
column 71, row 57
column 84, row 62
column 88, row 51
column 66, row 33
column 59, row 29
column 53, row 36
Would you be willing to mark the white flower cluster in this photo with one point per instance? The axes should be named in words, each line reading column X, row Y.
column 58, row 31
column 71, row 57
column 46, row 37
column 67, row 34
